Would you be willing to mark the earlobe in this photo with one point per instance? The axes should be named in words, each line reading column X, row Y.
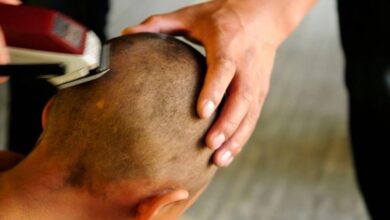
column 46, row 111
column 151, row 207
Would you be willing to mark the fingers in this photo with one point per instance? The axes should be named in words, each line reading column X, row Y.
column 165, row 23
column 221, row 70
column 239, row 61
column 225, row 154
column 239, row 99
column 242, row 93
column 241, row 110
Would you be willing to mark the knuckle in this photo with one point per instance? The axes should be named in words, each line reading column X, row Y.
column 264, row 90
column 235, row 148
column 225, row 23
column 225, row 63
column 153, row 19
column 246, row 95
column 228, row 29
column 214, row 91
column 230, row 126
column 252, row 119
column 254, row 116
column 250, row 54
column 218, row 91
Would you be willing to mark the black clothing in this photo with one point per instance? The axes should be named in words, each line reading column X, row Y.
column 365, row 35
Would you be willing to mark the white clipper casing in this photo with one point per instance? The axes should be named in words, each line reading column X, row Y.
column 76, row 66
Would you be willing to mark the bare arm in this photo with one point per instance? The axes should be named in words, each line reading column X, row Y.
column 241, row 38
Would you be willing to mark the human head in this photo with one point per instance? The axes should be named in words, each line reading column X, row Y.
column 136, row 126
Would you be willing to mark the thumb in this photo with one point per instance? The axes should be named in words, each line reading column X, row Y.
column 166, row 23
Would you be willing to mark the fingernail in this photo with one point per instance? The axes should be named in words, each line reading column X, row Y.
column 218, row 141
column 208, row 109
column 226, row 158
column 229, row 161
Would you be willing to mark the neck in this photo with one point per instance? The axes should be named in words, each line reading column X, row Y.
column 37, row 187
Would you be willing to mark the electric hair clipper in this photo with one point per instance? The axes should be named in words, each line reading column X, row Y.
column 47, row 44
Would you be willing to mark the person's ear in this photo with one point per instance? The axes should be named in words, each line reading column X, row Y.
column 46, row 111
column 151, row 207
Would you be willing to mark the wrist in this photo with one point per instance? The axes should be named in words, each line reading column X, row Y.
column 274, row 18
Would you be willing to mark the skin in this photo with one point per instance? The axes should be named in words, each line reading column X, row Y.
column 73, row 176
column 34, row 177
column 23, row 180
column 241, row 38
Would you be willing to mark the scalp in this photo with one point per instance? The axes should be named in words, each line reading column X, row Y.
column 139, row 120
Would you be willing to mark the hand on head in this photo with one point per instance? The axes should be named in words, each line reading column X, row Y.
column 241, row 38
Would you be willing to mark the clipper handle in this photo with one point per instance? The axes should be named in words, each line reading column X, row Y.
column 41, row 29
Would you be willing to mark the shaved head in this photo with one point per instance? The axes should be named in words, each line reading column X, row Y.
column 138, row 121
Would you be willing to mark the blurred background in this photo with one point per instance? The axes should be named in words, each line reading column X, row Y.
column 297, row 165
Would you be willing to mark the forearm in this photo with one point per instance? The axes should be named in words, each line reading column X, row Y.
column 282, row 16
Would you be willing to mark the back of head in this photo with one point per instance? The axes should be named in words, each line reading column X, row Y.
column 138, row 121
